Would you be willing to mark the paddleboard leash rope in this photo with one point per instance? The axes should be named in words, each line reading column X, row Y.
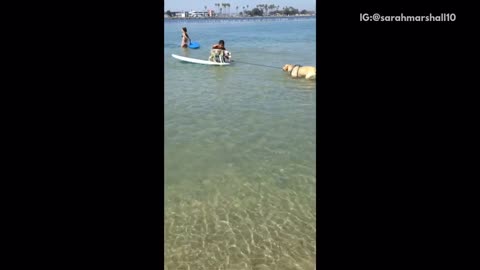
column 236, row 61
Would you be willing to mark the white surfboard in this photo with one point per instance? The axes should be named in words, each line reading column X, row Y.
column 198, row 61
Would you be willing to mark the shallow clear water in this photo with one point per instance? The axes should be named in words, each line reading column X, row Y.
column 240, row 148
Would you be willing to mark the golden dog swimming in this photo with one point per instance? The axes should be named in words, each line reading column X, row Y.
column 297, row 71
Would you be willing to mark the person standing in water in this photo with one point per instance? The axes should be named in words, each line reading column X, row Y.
column 185, row 38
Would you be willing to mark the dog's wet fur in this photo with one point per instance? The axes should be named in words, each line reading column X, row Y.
column 218, row 54
column 296, row 71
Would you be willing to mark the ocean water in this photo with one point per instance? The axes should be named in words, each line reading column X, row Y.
column 240, row 170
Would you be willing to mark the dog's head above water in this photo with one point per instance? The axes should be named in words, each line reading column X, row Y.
column 287, row 67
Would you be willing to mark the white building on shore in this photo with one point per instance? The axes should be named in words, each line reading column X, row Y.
column 178, row 14
column 196, row 14
column 192, row 14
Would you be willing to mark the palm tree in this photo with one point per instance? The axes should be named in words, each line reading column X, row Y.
column 236, row 9
column 260, row 7
column 217, row 5
column 228, row 9
column 272, row 7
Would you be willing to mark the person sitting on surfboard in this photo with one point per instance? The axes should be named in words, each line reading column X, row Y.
column 185, row 38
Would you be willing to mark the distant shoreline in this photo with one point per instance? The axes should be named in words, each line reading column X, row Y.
column 239, row 17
